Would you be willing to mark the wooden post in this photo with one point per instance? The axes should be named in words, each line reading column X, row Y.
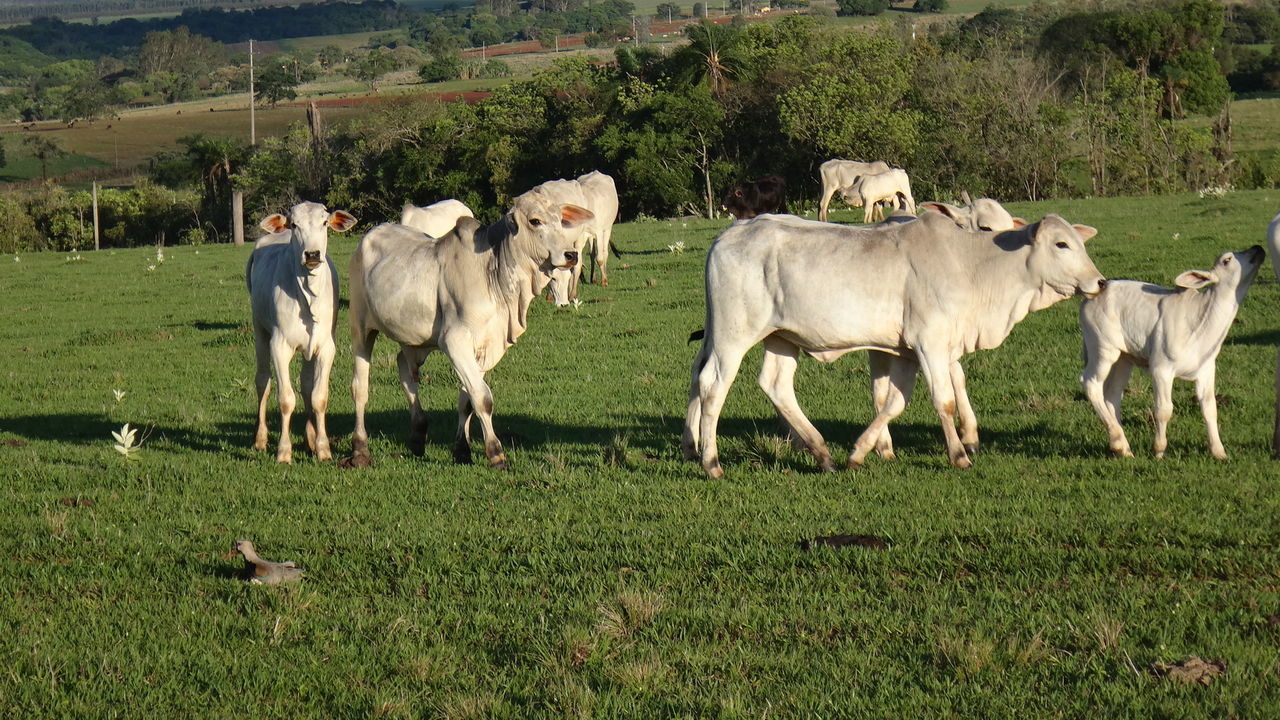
column 237, row 217
column 97, row 244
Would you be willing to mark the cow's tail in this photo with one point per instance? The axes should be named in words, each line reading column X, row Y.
column 614, row 249
column 697, row 335
column 248, row 273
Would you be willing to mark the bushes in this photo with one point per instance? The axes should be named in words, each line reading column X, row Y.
column 863, row 7
column 54, row 218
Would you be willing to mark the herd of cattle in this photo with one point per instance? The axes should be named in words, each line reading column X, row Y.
column 916, row 292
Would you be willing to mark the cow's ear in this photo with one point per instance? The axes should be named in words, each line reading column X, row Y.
column 1195, row 279
column 275, row 223
column 943, row 208
column 572, row 216
column 1085, row 232
column 341, row 221
column 1019, row 222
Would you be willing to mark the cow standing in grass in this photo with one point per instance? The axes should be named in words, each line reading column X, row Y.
column 466, row 294
column 925, row 288
column 293, row 287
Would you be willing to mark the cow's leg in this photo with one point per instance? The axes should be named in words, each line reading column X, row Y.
column 1209, row 408
column 825, row 202
column 718, row 372
column 964, row 410
column 408, row 361
column 281, row 354
column 462, row 439
column 1162, row 394
column 460, row 348
column 901, row 375
column 937, row 373
column 307, row 384
column 318, row 432
column 777, row 379
column 693, row 413
column 602, row 258
column 262, row 384
column 1102, row 375
column 362, row 348
column 880, row 365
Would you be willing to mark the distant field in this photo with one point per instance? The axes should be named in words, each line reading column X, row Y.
column 602, row 577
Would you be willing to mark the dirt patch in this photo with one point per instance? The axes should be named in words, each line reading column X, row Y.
column 1192, row 671
column 355, row 462
column 844, row 541
column 77, row 502
column 16, row 443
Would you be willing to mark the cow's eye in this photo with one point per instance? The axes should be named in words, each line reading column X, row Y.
column 535, row 222
column 1226, row 260
column 1063, row 244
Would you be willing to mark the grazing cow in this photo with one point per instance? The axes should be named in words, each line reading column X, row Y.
column 1273, row 244
column 891, row 187
column 596, row 192
column 922, row 288
column 837, row 175
column 747, row 200
column 982, row 215
column 1172, row 333
column 293, row 287
column 466, row 294
column 436, row 219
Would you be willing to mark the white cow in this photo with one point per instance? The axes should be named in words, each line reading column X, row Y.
column 891, row 187
column 983, row 214
column 466, row 295
column 436, row 219
column 598, row 193
column 1172, row 333
column 923, row 288
column 838, row 174
column 1273, row 244
column 293, row 287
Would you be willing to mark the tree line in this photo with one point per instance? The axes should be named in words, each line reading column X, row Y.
column 1049, row 101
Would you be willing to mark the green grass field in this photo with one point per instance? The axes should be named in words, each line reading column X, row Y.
column 602, row 576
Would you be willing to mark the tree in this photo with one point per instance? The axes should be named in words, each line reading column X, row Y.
column 712, row 52
column 699, row 10
column 330, row 55
column 930, row 6
column 275, row 82
column 667, row 11
column 548, row 37
column 863, row 7
column 178, row 52
column 442, row 69
column 43, row 149
column 373, row 66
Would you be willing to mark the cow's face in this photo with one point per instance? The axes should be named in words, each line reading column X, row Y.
column 983, row 215
column 852, row 195
column 310, row 223
column 549, row 231
column 1233, row 272
column 1059, row 259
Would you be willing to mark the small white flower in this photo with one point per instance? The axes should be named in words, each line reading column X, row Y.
column 677, row 247
column 119, row 394
column 1177, row 235
column 126, row 441
column 577, row 303
column 17, row 259
column 151, row 268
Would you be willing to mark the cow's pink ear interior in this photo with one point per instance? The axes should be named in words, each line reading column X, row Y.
column 573, row 215
column 342, row 221
column 1085, row 232
column 275, row 223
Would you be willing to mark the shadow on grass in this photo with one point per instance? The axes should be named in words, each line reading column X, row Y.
column 1269, row 338
column 651, row 435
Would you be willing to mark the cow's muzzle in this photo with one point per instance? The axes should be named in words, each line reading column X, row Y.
column 311, row 259
column 1102, row 285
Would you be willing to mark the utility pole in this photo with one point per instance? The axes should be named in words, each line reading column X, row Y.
column 253, row 129
column 97, row 244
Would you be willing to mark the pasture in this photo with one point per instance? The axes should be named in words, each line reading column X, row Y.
column 602, row 576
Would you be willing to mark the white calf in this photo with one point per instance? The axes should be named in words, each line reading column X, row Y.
column 293, row 287
column 1172, row 333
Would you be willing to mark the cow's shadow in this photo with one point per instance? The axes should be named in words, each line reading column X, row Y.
column 650, row 435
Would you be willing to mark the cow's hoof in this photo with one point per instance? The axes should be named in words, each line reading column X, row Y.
column 962, row 463
column 284, row 458
column 713, row 470
column 971, row 448
column 826, row 466
column 690, row 452
column 853, row 464
column 500, row 464
column 462, row 454
column 1121, row 453
column 260, row 442
column 417, row 446
column 886, row 454
column 354, row 462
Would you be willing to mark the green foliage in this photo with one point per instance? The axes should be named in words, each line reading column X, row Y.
column 273, row 83
column 441, row 69
column 930, row 6
column 699, row 10
column 863, row 7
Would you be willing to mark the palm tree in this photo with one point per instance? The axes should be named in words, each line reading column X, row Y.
column 712, row 51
